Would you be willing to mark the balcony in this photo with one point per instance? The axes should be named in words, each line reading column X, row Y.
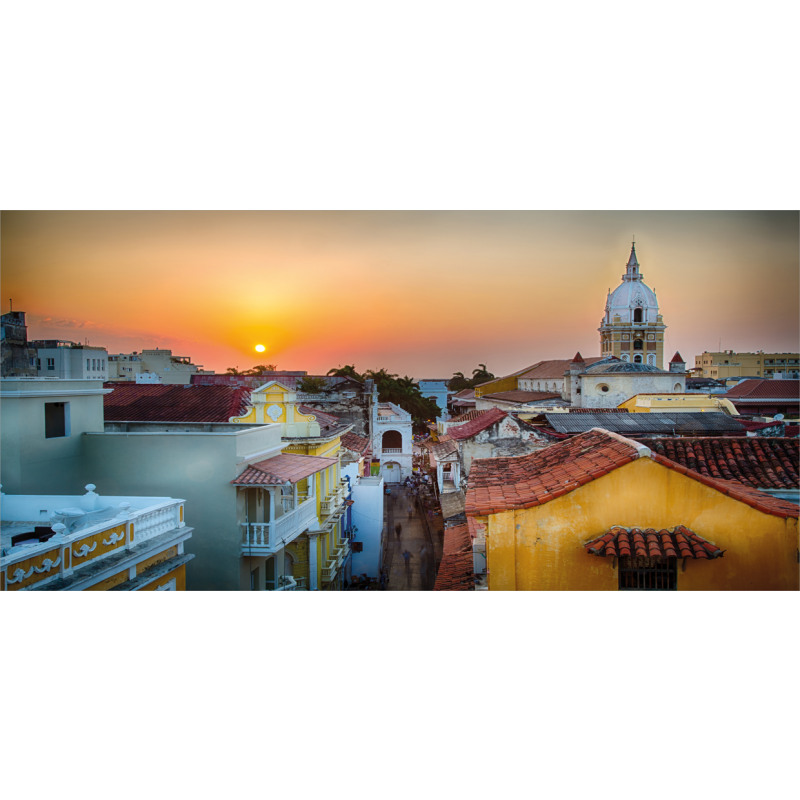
column 395, row 451
column 87, row 538
column 267, row 538
column 331, row 504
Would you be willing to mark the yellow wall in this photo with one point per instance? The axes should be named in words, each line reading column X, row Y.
column 542, row 547
column 179, row 573
column 640, row 403
column 506, row 384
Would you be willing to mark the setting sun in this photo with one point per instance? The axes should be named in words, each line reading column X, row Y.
column 260, row 348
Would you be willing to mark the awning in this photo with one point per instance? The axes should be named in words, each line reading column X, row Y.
column 275, row 471
column 650, row 543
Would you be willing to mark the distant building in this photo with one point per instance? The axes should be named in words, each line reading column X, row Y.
column 392, row 442
column 57, row 358
column 142, row 367
column 18, row 357
column 724, row 364
column 435, row 389
column 766, row 398
column 632, row 328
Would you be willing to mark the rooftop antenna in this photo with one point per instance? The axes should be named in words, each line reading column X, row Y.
column 10, row 305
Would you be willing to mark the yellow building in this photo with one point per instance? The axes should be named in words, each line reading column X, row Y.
column 319, row 554
column 600, row 511
column 727, row 364
column 676, row 401
column 92, row 542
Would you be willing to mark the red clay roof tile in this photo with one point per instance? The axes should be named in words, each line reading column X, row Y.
column 174, row 403
column 474, row 426
column 650, row 543
column 456, row 571
column 274, row 471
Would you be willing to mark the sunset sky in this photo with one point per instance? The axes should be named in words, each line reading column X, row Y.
column 419, row 293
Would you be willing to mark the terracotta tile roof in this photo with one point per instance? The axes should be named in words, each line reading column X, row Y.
column 174, row 403
column 764, row 389
column 464, row 394
column 474, row 426
column 764, row 463
column 473, row 413
column 551, row 369
column 500, row 484
column 358, row 444
column 443, row 448
column 327, row 422
column 279, row 469
column 649, row 543
column 522, row 396
column 456, row 572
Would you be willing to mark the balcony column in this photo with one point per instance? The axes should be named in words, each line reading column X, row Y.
column 312, row 560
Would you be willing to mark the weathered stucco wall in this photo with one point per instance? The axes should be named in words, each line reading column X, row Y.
column 542, row 547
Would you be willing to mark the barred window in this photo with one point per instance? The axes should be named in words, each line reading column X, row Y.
column 639, row 573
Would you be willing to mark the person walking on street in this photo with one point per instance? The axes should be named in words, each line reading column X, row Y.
column 407, row 558
column 410, row 511
column 398, row 529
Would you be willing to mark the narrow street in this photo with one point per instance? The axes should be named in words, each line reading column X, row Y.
column 420, row 574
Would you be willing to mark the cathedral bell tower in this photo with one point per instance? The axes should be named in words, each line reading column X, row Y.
column 631, row 328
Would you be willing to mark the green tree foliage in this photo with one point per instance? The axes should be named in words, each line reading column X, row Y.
column 459, row 382
column 405, row 393
column 259, row 368
column 311, row 385
column 347, row 371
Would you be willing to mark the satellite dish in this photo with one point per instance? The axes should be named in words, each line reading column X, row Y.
column 778, row 417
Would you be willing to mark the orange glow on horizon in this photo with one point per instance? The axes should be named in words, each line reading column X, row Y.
column 419, row 293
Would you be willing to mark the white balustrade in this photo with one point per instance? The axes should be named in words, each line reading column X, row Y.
column 392, row 450
column 269, row 537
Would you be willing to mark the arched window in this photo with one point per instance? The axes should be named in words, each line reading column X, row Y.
column 637, row 359
column 651, row 359
column 637, row 344
column 392, row 440
column 637, row 315
column 626, row 357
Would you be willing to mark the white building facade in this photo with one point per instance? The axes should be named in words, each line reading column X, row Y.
column 392, row 441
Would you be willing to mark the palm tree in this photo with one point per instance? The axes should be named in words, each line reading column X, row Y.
column 347, row 371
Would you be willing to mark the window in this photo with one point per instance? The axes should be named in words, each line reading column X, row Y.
column 637, row 315
column 56, row 420
column 637, row 344
column 637, row 359
column 603, row 387
column 88, row 364
column 51, row 363
column 648, row 574
column 38, row 363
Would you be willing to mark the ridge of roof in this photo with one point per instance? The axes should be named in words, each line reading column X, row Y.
column 474, row 426
column 501, row 484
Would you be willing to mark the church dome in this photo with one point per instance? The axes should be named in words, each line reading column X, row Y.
column 632, row 301
column 608, row 365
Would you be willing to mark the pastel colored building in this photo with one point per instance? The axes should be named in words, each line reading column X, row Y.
column 602, row 512
column 92, row 542
column 156, row 365
column 724, row 364
column 41, row 437
column 392, row 441
column 62, row 359
column 436, row 389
